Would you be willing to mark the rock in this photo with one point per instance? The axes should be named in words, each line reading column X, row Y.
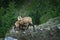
column 1, row 38
column 47, row 31
column 10, row 38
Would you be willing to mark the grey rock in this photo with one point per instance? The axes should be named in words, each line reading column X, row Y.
column 47, row 31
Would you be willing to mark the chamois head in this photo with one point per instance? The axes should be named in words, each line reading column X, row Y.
column 19, row 18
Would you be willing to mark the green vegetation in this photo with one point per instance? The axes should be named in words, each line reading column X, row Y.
column 7, row 18
column 39, row 10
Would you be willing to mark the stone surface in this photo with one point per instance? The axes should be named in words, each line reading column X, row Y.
column 47, row 31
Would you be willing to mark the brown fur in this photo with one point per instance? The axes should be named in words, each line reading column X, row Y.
column 23, row 23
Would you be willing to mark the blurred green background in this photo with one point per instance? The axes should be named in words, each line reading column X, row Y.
column 39, row 10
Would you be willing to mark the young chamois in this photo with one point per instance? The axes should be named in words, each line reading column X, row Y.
column 23, row 23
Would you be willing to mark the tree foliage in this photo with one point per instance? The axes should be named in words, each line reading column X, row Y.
column 7, row 19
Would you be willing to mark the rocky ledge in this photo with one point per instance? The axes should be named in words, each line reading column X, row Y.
column 47, row 31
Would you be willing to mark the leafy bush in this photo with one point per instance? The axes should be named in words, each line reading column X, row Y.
column 45, row 17
column 7, row 19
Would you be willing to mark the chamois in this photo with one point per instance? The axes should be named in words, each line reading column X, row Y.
column 23, row 23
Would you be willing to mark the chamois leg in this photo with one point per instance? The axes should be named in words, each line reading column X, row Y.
column 14, row 27
column 33, row 27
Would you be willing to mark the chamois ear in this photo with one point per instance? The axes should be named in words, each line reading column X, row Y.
column 19, row 18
